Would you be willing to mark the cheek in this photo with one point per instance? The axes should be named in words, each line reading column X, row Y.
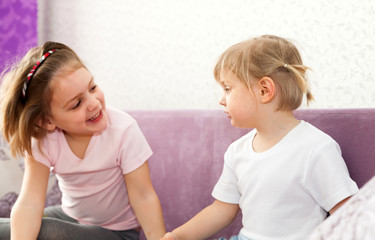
column 55, row 113
column 231, row 99
column 101, row 96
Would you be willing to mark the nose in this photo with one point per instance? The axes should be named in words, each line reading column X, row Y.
column 93, row 103
column 222, row 101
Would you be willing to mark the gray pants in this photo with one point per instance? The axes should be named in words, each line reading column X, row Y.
column 57, row 225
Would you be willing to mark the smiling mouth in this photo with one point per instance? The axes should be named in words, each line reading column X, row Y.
column 96, row 116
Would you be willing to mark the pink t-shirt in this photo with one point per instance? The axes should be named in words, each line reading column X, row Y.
column 93, row 188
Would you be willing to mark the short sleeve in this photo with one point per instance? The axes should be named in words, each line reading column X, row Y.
column 41, row 153
column 226, row 189
column 134, row 148
column 327, row 176
column 354, row 220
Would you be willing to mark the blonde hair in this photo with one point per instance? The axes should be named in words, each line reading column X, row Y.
column 270, row 56
column 20, row 117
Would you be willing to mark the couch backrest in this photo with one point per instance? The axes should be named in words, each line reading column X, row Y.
column 189, row 146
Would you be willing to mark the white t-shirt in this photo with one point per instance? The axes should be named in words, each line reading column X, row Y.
column 286, row 191
column 93, row 188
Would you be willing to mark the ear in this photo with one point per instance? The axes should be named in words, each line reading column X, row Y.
column 266, row 89
column 46, row 123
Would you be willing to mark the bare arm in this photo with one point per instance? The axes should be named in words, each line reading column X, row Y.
column 206, row 223
column 26, row 215
column 337, row 206
column 145, row 202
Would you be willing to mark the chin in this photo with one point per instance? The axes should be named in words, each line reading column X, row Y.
column 235, row 124
column 239, row 125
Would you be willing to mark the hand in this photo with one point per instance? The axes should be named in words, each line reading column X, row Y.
column 170, row 236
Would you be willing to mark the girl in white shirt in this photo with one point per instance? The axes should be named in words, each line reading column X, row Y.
column 285, row 175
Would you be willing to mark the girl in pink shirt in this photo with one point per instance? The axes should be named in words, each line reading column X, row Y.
column 54, row 115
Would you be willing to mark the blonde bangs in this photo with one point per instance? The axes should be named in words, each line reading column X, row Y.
column 237, row 60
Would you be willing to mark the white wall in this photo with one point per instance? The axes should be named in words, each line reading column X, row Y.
column 160, row 54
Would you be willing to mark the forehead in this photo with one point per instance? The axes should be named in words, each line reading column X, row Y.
column 69, row 77
column 227, row 77
column 68, row 85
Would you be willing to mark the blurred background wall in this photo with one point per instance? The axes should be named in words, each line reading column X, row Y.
column 160, row 54
column 18, row 29
column 18, row 32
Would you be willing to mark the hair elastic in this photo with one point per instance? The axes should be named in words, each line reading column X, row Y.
column 33, row 69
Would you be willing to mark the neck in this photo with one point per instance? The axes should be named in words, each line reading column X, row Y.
column 274, row 127
column 78, row 144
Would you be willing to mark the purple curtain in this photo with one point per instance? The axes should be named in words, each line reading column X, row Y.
column 18, row 29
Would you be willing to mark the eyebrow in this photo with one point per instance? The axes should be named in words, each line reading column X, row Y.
column 79, row 94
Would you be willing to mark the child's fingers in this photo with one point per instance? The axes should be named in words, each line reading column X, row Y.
column 169, row 236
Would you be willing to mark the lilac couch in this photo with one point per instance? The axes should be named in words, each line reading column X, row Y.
column 189, row 146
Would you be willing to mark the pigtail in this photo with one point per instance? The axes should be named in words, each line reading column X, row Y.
column 299, row 72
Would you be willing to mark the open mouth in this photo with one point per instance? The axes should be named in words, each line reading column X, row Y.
column 96, row 116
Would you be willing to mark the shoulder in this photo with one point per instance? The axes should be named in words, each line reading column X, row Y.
column 312, row 134
column 47, row 149
column 51, row 139
column 121, row 126
column 119, row 119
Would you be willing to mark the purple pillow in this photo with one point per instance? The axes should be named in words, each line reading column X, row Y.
column 6, row 204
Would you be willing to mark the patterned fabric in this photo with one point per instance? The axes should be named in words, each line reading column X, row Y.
column 18, row 29
column 353, row 221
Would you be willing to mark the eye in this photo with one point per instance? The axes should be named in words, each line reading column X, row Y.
column 77, row 105
column 93, row 88
column 227, row 89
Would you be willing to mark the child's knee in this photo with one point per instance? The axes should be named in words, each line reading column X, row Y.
column 51, row 229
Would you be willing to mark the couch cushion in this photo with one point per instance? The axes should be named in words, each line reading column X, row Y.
column 189, row 146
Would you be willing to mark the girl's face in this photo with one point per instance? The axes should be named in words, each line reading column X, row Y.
column 239, row 101
column 77, row 105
